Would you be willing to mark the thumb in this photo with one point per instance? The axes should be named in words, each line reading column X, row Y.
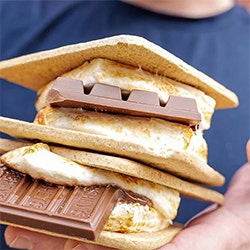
column 214, row 230
column 248, row 150
column 237, row 196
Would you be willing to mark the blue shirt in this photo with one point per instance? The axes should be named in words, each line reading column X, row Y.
column 218, row 46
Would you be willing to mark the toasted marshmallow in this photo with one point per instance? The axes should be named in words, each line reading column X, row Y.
column 40, row 163
column 157, row 135
column 135, row 218
column 129, row 78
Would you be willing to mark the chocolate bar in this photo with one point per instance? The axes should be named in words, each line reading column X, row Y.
column 71, row 211
column 102, row 97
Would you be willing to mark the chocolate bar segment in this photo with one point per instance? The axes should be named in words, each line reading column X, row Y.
column 71, row 93
column 71, row 211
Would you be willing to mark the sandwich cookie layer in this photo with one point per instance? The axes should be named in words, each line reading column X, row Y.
column 179, row 163
column 36, row 70
column 40, row 163
column 129, row 78
column 127, row 167
column 158, row 135
column 71, row 212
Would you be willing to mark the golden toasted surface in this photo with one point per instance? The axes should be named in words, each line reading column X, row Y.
column 135, row 218
column 157, row 135
column 141, row 241
column 36, row 70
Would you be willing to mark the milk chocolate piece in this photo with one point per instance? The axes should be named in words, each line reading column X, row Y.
column 71, row 93
column 70, row 211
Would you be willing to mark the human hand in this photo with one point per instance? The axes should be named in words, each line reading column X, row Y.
column 224, row 228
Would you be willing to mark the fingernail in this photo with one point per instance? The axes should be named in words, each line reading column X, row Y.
column 21, row 242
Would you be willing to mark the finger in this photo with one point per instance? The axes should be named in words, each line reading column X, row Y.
column 76, row 245
column 25, row 239
column 211, row 231
column 203, row 233
column 233, row 218
column 237, row 196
